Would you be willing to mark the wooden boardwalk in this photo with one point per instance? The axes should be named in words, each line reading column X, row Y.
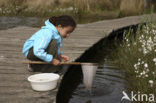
column 14, row 87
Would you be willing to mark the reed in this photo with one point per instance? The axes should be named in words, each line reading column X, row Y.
column 78, row 8
column 131, row 7
column 136, row 55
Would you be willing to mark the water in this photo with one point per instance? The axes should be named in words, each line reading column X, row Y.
column 107, row 87
column 10, row 22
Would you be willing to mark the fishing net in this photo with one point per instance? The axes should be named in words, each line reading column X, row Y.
column 89, row 71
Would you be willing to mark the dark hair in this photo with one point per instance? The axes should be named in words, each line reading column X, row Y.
column 63, row 20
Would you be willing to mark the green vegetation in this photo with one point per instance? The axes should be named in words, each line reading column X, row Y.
column 137, row 56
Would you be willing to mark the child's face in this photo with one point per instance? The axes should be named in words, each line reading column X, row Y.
column 65, row 31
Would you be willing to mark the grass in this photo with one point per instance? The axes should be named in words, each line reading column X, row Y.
column 137, row 56
column 101, row 9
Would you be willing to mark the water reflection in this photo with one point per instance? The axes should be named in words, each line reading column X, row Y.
column 107, row 87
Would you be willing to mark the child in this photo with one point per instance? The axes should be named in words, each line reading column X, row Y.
column 45, row 44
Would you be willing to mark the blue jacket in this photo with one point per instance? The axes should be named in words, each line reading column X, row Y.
column 40, row 41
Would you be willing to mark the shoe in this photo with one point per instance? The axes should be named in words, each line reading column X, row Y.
column 30, row 69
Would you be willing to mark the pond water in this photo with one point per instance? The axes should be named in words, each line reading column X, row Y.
column 10, row 22
column 107, row 87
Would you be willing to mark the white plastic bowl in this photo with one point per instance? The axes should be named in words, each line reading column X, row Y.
column 43, row 81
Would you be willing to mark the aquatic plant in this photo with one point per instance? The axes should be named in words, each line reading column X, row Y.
column 137, row 56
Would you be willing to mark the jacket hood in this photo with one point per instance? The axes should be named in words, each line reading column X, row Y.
column 48, row 24
column 52, row 27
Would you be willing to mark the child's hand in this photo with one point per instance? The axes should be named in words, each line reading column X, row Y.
column 55, row 62
column 64, row 58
